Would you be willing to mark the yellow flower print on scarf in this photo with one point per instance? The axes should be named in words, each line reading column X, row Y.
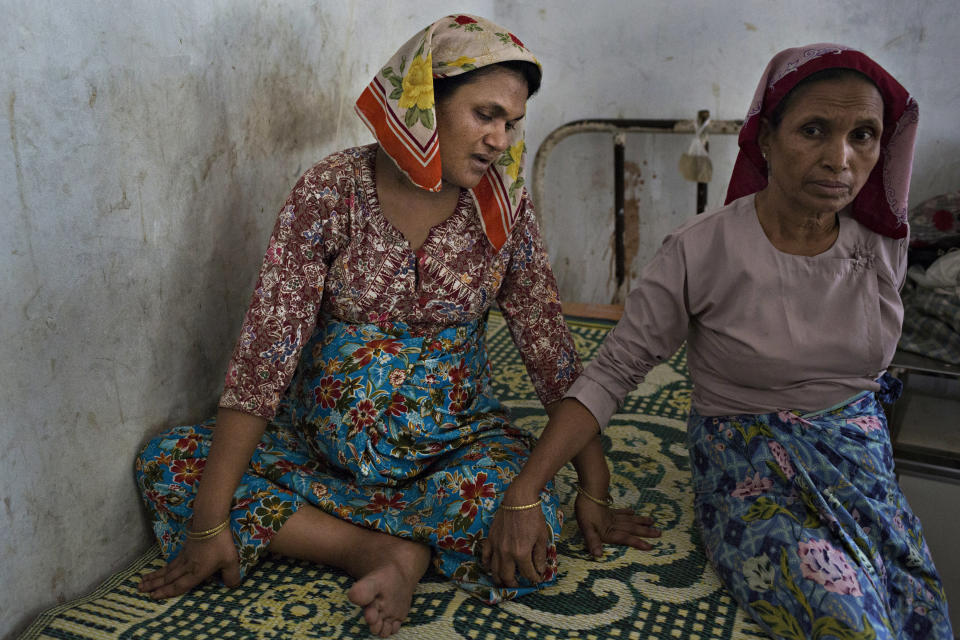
column 414, row 90
column 418, row 84
column 511, row 159
column 463, row 62
column 402, row 93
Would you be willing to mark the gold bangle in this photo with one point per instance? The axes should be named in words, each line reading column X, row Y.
column 209, row 533
column 606, row 502
column 521, row 507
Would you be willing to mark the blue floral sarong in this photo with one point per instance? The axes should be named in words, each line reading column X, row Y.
column 804, row 522
column 380, row 427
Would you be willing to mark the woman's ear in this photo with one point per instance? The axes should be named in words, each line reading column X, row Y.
column 763, row 136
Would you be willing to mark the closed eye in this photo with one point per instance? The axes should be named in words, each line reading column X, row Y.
column 486, row 117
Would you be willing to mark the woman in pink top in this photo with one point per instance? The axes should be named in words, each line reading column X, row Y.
column 788, row 300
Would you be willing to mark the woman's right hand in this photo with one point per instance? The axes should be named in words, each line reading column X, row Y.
column 517, row 544
column 198, row 560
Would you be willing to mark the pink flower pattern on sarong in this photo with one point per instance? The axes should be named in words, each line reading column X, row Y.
column 752, row 486
column 827, row 566
column 867, row 423
column 844, row 551
column 782, row 458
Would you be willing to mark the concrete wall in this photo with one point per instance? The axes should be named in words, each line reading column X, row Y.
column 147, row 147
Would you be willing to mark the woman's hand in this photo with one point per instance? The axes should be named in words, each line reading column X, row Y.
column 234, row 440
column 517, row 542
column 604, row 525
column 198, row 560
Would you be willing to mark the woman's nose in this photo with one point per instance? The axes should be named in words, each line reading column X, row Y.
column 498, row 137
column 836, row 154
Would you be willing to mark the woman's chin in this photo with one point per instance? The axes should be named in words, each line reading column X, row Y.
column 820, row 203
column 463, row 181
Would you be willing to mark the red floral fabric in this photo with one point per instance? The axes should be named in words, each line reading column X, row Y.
column 332, row 251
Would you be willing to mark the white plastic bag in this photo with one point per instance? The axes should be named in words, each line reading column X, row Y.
column 695, row 164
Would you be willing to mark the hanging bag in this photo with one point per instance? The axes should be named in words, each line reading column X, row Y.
column 695, row 164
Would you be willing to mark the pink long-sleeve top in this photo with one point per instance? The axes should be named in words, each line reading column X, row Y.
column 333, row 253
column 765, row 330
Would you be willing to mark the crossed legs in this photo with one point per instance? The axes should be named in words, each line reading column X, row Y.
column 387, row 568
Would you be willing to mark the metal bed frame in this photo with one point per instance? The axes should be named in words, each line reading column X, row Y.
column 913, row 457
column 619, row 128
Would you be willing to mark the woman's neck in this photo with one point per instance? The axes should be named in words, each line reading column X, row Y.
column 804, row 233
column 411, row 210
column 390, row 177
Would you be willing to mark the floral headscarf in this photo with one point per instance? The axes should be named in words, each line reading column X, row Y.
column 398, row 108
column 881, row 204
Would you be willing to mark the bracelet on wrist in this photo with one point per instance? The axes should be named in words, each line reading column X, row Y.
column 522, row 507
column 207, row 533
column 604, row 502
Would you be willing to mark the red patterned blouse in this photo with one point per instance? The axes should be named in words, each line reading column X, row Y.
column 333, row 253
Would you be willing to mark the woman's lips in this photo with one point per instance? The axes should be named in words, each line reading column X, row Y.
column 480, row 163
column 831, row 187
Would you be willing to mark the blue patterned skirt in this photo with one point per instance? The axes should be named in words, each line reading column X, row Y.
column 804, row 521
column 380, row 427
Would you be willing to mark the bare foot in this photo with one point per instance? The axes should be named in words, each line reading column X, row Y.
column 385, row 585
column 387, row 568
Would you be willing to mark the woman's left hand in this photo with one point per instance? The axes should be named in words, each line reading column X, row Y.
column 517, row 542
column 605, row 525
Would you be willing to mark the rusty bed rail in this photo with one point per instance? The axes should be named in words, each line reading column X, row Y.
column 619, row 127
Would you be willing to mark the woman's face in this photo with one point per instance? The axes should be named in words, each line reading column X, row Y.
column 474, row 124
column 826, row 145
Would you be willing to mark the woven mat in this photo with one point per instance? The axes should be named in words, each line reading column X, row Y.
column 670, row 592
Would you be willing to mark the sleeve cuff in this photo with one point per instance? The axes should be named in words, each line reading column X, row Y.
column 598, row 401
column 229, row 400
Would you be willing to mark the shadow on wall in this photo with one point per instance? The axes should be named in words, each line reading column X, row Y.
column 260, row 123
column 155, row 171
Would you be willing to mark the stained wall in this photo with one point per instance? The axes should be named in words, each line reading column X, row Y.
column 146, row 149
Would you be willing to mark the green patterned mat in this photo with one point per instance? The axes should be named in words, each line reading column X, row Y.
column 670, row 592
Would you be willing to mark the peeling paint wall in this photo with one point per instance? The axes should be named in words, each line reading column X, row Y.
column 668, row 59
column 146, row 148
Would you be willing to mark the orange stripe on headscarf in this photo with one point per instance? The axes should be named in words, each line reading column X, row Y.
column 408, row 135
column 396, row 145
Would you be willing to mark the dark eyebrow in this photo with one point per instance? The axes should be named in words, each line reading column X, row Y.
column 863, row 122
column 870, row 122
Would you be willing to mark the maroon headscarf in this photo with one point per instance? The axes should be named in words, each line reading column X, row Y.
column 881, row 204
